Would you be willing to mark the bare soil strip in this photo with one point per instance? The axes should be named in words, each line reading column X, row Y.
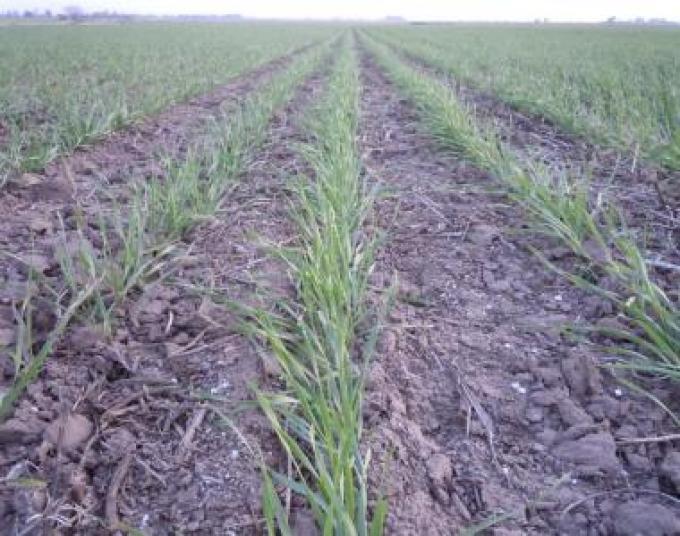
column 137, row 438
column 477, row 404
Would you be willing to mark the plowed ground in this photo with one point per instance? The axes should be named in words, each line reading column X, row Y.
column 478, row 402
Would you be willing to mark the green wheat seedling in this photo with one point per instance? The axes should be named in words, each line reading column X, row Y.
column 318, row 417
column 651, row 317
column 178, row 200
column 27, row 361
column 127, row 259
column 562, row 209
column 95, row 282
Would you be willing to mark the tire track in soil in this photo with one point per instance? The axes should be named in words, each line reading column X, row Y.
column 137, row 388
column 472, row 347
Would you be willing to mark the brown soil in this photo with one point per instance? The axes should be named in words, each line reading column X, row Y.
column 131, row 428
column 477, row 403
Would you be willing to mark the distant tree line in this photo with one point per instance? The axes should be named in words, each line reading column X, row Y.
column 641, row 20
column 75, row 13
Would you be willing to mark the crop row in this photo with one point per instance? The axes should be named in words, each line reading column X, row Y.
column 314, row 334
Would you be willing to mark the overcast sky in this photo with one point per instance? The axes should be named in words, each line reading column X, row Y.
column 516, row 10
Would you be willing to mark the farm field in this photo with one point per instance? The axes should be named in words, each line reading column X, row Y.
column 322, row 279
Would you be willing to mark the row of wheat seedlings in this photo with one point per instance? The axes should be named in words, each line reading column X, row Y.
column 314, row 335
column 561, row 207
column 142, row 241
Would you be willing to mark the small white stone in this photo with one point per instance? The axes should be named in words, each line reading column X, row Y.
column 234, row 454
column 618, row 392
column 220, row 388
column 517, row 387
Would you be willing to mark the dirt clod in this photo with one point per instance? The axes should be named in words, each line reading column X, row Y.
column 641, row 518
column 69, row 432
column 303, row 523
column 36, row 262
column 83, row 338
column 17, row 430
column 482, row 234
column 39, row 224
column 26, row 180
column 582, row 376
column 534, row 414
column 596, row 451
column 119, row 443
column 439, row 470
column 670, row 470
column 388, row 342
column 572, row 413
